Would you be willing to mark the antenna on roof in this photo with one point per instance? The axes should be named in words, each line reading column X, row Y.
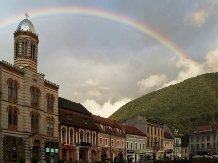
column 26, row 14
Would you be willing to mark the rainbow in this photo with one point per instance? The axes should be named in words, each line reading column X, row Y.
column 93, row 12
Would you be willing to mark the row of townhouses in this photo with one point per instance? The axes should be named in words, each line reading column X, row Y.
column 34, row 120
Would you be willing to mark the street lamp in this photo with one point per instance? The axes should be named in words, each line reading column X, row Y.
column 110, row 131
column 154, row 151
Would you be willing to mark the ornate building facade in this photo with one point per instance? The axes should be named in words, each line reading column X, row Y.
column 111, row 138
column 28, row 102
column 78, row 133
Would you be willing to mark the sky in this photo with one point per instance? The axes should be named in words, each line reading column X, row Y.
column 105, row 53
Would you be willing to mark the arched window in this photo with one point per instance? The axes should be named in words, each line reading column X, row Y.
column 32, row 96
column 15, row 118
column 34, row 122
column 13, row 86
column 87, row 137
column 32, row 51
column 81, row 136
column 35, row 92
column 10, row 117
column 24, row 49
column 14, row 91
column 50, row 126
column 50, row 103
column 10, row 89
column 36, row 99
column 71, row 136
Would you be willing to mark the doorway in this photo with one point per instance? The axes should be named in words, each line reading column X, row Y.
column 36, row 148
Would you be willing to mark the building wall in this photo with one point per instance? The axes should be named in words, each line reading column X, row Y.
column 25, row 80
column 136, row 153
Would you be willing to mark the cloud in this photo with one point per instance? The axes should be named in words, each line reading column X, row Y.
column 106, row 109
column 189, row 68
column 151, row 82
column 198, row 18
column 91, row 82
column 94, row 93
column 212, row 58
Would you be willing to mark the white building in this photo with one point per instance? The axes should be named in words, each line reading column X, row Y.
column 203, row 140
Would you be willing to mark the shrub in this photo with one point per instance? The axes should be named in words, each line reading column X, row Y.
column 22, row 159
column 34, row 158
column 60, row 161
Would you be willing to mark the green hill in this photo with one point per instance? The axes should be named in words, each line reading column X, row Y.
column 183, row 106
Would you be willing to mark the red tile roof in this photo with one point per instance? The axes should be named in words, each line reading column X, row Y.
column 132, row 130
column 204, row 127
column 108, row 123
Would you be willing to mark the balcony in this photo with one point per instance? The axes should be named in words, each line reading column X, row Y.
column 177, row 145
column 84, row 144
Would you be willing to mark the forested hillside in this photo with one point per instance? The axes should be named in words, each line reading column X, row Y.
column 182, row 106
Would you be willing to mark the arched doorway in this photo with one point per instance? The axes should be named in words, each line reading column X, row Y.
column 82, row 155
column 36, row 148
column 93, row 156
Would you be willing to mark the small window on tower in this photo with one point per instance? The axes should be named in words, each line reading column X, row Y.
column 32, row 51
column 16, row 49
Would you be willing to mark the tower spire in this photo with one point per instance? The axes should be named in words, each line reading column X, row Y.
column 26, row 14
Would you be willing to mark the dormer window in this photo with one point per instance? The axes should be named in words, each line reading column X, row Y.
column 85, row 120
column 118, row 130
column 102, row 126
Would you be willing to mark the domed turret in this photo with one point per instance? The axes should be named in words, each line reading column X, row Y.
column 26, row 25
column 26, row 45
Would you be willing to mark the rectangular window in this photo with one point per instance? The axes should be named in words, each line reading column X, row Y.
column 118, row 143
column 81, row 137
column 100, row 141
column 93, row 140
column 71, row 137
column 63, row 136
column 32, row 51
column 106, row 143
column 87, row 137
column 127, row 144
column 24, row 48
column 122, row 144
column 136, row 146
column 112, row 143
column 16, row 50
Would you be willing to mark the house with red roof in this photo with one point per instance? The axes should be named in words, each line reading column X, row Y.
column 111, row 138
column 135, row 143
column 203, row 140
column 78, row 133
